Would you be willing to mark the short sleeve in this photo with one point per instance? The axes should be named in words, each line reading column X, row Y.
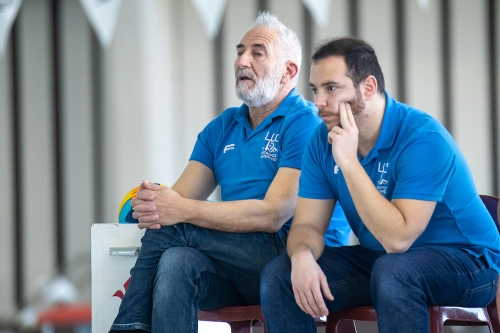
column 314, row 182
column 296, row 134
column 204, row 148
column 424, row 169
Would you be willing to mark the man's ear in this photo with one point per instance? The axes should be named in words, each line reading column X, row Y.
column 292, row 70
column 369, row 87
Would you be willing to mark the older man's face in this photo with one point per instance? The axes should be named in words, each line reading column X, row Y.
column 258, row 67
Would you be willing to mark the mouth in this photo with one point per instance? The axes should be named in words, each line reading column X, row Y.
column 326, row 117
column 244, row 78
column 330, row 119
column 245, row 75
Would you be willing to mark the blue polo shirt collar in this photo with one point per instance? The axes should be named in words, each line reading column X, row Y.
column 282, row 110
column 388, row 130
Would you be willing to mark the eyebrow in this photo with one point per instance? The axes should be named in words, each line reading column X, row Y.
column 327, row 83
column 253, row 45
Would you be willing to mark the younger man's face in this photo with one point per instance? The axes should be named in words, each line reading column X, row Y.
column 331, row 85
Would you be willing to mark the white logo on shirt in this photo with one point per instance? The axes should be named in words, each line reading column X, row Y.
column 270, row 143
column 269, row 150
column 382, row 183
column 229, row 147
column 336, row 169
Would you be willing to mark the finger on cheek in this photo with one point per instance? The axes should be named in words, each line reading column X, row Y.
column 330, row 140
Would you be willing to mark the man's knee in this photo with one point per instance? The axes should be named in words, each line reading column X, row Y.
column 392, row 275
column 178, row 268
column 274, row 274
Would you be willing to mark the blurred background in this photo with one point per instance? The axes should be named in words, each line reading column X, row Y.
column 81, row 123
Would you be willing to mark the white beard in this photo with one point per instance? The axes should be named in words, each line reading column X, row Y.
column 264, row 90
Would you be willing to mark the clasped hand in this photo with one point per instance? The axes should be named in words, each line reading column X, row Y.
column 154, row 206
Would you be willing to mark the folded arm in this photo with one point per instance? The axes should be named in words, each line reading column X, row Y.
column 395, row 224
column 185, row 202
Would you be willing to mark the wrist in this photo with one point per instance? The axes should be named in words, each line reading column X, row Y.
column 187, row 209
column 302, row 254
column 348, row 167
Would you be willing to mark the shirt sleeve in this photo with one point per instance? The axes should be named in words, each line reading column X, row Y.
column 424, row 169
column 295, row 137
column 204, row 148
column 314, row 182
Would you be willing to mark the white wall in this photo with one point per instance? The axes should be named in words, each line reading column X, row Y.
column 470, row 88
column 7, row 194
column 424, row 77
column 77, row 154
column 37, row 145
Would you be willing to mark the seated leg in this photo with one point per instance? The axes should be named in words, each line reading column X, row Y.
column 281, row 312
column 188, row 280
column 347, row 270
column 404, row 285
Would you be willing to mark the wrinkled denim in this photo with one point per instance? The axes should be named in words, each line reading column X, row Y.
column 183, row 268
column 401, row 286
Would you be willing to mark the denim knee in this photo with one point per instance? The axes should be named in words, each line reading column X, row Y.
column 277, row 272
column 177, row 269
column 392, row 277
column 276, row 269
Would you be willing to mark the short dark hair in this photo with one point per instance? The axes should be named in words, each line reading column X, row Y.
column 359, row 57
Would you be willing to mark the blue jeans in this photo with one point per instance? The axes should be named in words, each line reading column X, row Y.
column 400, row 286
column 183, row 268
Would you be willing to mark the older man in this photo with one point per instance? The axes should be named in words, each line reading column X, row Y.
column 407, row 191
column 205, row 255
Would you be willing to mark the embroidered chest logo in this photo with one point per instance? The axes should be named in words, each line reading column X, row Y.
column 271, row 148
column 382, row 182
column 229, row 147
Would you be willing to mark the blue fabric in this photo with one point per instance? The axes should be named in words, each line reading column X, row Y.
column 413, row 158
column 400, row 286
column 338, row 230
column 245, row 161
column 280, row 138
column 180, row 269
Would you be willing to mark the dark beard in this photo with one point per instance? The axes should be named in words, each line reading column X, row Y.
column 357, row 104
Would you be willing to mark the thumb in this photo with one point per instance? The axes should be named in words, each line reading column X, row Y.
column 150, row 186
column 325, row 288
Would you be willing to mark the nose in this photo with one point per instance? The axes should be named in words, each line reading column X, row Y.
column 242, row 61
column 320, row 99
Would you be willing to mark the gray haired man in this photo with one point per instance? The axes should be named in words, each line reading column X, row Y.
column 205, row 255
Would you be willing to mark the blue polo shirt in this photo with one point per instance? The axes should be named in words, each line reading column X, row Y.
column 414, row 158
column 245, row 160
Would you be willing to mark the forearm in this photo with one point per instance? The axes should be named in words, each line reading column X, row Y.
column 237, row 216
column 303, row 240
column 384, row 220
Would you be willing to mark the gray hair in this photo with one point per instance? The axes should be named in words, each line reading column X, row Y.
column 288, row 42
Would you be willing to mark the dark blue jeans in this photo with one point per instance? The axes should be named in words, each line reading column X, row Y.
column 400, row 286
column 183, row 268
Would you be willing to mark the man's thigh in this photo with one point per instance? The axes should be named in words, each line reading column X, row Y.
column 185, row 273
column 444, row 275
column 348, row 271
column 242, row 256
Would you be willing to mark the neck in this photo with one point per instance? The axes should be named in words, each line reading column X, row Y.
column 370, row 123
column 257, row 114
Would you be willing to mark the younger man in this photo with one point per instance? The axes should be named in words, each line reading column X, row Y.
column 407, row 192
